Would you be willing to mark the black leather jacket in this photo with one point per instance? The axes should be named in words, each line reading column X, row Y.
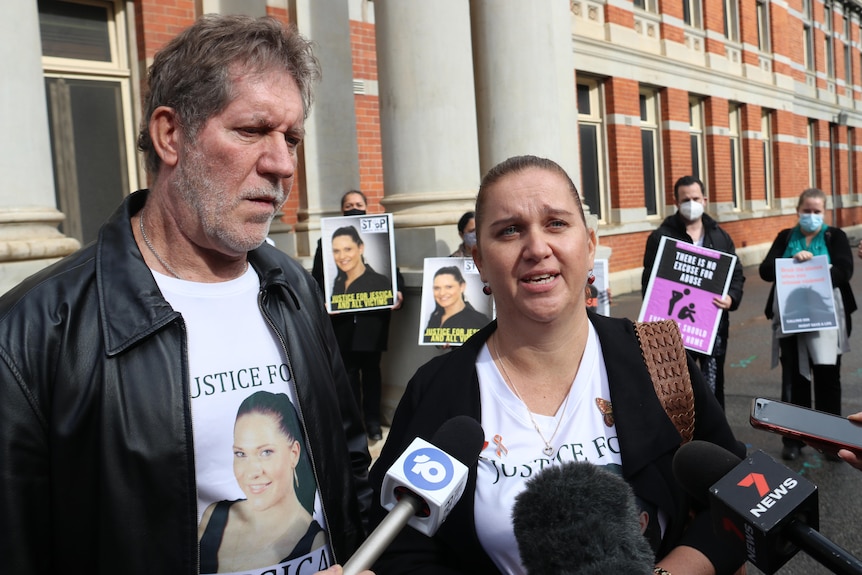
column 97, row 467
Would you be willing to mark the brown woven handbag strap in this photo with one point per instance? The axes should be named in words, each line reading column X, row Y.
column 664, row 356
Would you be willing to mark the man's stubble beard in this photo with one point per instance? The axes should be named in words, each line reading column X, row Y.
column 205, row 196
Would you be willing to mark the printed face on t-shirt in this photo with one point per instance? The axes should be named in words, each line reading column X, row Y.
column 264, row 460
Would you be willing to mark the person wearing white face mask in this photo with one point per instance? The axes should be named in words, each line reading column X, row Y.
column 690, row 224
column 812, row 355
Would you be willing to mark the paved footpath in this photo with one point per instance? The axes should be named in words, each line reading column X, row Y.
column 748, row 375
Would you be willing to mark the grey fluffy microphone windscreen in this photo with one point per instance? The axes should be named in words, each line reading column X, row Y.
column 578, row 518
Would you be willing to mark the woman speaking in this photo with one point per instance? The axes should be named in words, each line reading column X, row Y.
column 549, row 383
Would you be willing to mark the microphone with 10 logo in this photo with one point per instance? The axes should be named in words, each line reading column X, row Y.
column 422, row 486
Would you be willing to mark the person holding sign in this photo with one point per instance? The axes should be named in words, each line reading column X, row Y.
column 362, row 336
column 690, row 224
column 814, row 355
column 452, row 309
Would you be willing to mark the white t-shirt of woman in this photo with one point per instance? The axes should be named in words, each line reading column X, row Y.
column 514, row 451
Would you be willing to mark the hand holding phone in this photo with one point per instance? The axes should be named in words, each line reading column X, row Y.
column 823, row 431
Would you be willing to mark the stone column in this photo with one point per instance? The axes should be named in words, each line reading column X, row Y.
column 427, row 122
column 29, row 238
column 525, row 82
column 430, row 152
column 330, row 149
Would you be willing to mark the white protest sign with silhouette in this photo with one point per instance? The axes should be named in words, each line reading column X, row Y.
column 804, row 294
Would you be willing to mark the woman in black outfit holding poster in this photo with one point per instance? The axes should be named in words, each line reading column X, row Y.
column 362, row 336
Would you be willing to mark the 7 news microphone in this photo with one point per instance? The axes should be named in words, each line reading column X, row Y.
column 579, row 518
column 772, row 509
column 422, row 486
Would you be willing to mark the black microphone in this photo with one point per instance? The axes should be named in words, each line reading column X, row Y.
column 422, row 486
column 772, row 509
column 579, row 518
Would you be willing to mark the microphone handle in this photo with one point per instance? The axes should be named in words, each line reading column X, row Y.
column 824, row 551
column 383, row 534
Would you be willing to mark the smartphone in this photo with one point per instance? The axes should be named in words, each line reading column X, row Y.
column 822, row 431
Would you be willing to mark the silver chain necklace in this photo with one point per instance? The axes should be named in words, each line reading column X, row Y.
column 548, row 449
column 152, row 249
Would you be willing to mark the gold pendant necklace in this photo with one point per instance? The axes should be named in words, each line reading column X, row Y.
column 548, row 450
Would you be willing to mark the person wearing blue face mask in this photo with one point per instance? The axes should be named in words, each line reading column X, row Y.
column 690, row 224
column 467, row 232
column 812, row 356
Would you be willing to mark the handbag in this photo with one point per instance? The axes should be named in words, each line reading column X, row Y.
column 665, row 359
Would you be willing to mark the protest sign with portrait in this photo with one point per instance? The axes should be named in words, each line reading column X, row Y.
column 454, row 307
column 358, row 262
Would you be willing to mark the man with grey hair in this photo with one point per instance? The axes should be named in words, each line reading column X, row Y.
column 122, row 366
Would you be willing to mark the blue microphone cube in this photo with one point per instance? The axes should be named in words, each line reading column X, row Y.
column 430, row 474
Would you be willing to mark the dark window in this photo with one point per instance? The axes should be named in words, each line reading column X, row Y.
column 734, row 172
column 76, row 31
column 89, row 152
column 584, row 106
column 695, row 158
column 649, row 171
column 590, row 176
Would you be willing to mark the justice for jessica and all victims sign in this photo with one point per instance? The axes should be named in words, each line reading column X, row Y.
column 358, row 262
column 683, row 283
column 454, row 307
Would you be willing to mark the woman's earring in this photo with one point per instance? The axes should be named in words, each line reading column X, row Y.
column 591, row 279
column 486, row 289
column 295, row 478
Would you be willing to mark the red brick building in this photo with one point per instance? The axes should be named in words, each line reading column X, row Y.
column 760, row 99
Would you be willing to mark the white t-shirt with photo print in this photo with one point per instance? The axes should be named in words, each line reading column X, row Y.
column 232, row 354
